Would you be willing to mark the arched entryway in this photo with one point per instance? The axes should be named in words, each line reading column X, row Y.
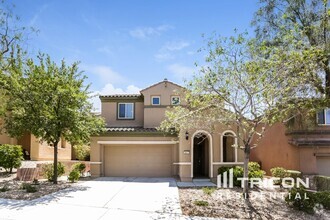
column 202, row 155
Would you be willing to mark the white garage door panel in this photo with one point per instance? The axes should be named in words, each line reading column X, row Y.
column 138, row 160
column 323, row 165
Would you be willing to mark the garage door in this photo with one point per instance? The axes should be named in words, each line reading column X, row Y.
column 323, row 165
column 138, row 160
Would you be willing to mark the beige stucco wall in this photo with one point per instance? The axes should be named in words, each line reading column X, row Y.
column 153, row 117
column 309, row 154
column 273, row 150
column 5, row 139
column 109, row 113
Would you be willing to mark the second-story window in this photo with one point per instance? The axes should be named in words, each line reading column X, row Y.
column 126, row 111
column 323, row 117
column 155, row 100
column 175, row 100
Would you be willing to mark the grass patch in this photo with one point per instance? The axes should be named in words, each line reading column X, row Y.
column 201, row 203
column 208, row 190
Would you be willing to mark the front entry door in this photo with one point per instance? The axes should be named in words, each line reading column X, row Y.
column 200, row 157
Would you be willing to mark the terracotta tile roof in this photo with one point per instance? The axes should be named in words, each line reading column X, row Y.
column 120, row 95
column 131, row 129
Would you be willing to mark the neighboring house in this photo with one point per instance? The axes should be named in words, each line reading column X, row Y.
column 306, row 149
column 132, row 146
column 36, row 150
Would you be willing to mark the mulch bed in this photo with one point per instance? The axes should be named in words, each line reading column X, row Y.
column 228, row 203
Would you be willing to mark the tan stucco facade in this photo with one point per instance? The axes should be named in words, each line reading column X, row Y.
column 151, row 153
column 275, row 150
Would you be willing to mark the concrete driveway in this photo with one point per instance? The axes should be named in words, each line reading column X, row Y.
column 102, row 198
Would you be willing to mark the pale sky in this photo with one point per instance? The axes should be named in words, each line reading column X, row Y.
column 125, row 46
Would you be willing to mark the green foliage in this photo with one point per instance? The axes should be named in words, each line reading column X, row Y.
column 11, row 156
column 74, row 175
column 82, row 152
column 322, row 183
column 28, row 188
column 80, row 167
column 48, row 170
column 4, row 189
column 50, row 101
column 307, row 201
column 238, row 171
column 221, row 170
column 297, row 197
column 209, row 190
column 293, row 174
column 278, row 172
column 201, row 203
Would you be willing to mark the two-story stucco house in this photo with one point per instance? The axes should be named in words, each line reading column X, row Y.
column 132, row 146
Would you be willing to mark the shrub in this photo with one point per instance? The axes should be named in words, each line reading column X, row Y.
column 48, row 170
column 208, row 190
column 201, row 203
column 278, row 172
column 11, row 156
column 221, row 170
column 80, row 167
column 310, row 202
column 4, row 189
column 296, row 198
column 253, row 166
column 28, row 188
column 74, row 176
column 82, row 152
column 322, row 183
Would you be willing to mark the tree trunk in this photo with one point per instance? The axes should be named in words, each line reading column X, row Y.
column 55, row 163
column 246, row 172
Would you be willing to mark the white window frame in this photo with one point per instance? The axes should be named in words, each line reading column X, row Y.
column 175, row 96
column 152, row 99
column 325, row 117
column 221, row 146
column 126, row 103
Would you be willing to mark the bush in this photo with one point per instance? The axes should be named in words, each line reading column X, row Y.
column 293, row 174
column 48, row 170
column 80, row 167
column 11, row 156
column 322, row 183
column 238, row 172
column 82, row 152
column 253, row 166
column 278, row 172
column 4, row 189
column 29, row 188
column 208, row 190
column 296, row 198
column 74, row 176
column 307, row 205
column 201, row 203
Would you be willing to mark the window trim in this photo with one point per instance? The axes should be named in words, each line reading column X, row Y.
column 175, row 96
column 221, row 146
column 325, row 117
column 124, row 118
column 155, row 96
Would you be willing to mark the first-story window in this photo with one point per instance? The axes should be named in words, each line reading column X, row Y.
column 126, row 111
column 323, row 117
column 228, row 149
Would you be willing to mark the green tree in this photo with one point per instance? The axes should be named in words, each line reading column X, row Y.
column 49, row 101
column 306, row 21
column 238, row 87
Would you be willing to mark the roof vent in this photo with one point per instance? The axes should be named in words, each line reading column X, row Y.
column 165, row 79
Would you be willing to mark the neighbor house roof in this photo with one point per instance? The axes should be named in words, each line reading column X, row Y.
column 120, row 95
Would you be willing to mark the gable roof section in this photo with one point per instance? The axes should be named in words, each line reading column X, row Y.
column 156, row 84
